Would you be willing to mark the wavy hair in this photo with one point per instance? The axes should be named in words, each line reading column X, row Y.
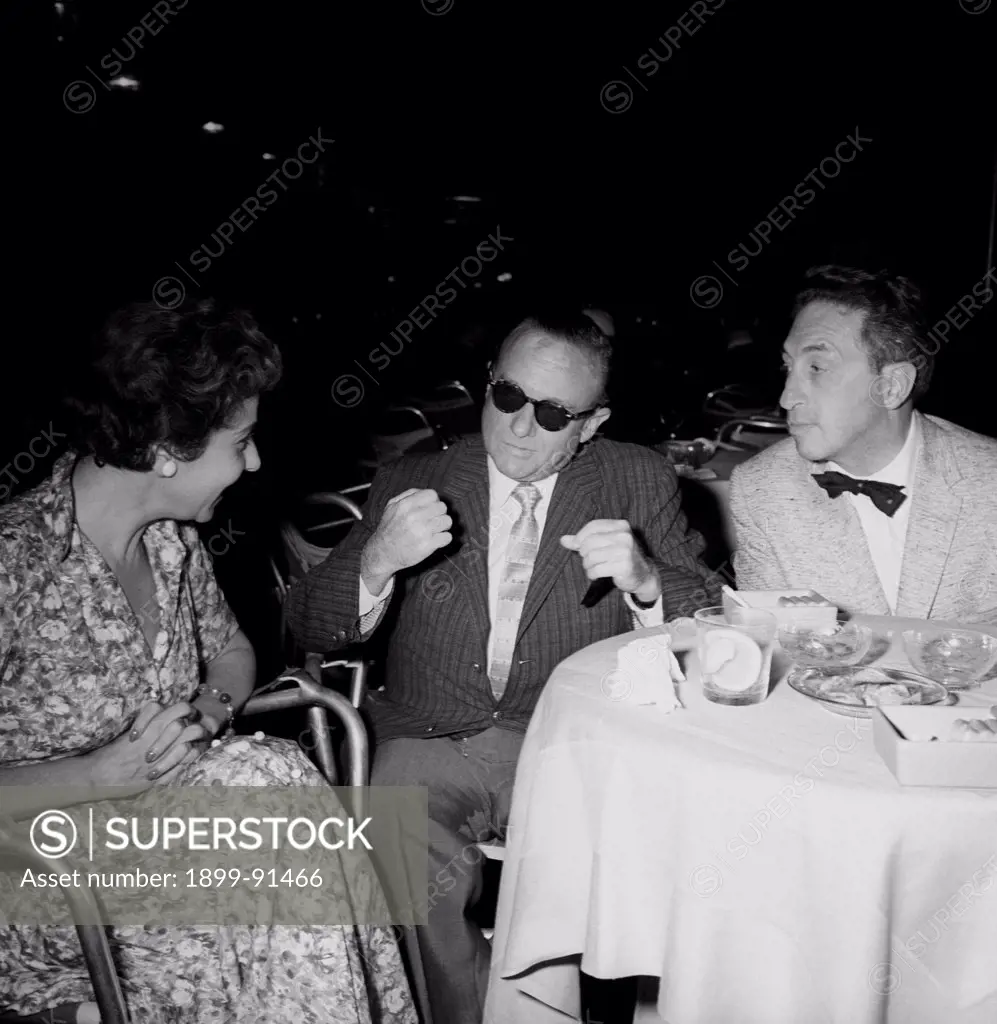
column 167, row 378
column 894, row 329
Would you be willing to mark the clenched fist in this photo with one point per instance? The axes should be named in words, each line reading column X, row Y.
column 608, row 548
column 414, row 525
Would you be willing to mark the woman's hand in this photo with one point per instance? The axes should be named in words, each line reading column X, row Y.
column 159, row 741
column 211, row 714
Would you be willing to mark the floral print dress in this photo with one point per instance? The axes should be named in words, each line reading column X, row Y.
column 75, row 669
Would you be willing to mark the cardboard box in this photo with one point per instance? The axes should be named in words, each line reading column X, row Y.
column 903, row 739
column 824, row 615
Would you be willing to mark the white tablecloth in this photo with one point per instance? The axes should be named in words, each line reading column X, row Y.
column 762, row 862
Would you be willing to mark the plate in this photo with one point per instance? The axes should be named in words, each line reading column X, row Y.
column 855, row 691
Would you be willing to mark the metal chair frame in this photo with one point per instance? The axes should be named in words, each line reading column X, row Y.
column 714, row 404
column 356, row 488
column 296, row 547
column 384, row 447
column 18, row 854
column 441, row 409
column 415, row 410
column 433, row 402
column 760, row 423
column 306, row 692
column 84, row 905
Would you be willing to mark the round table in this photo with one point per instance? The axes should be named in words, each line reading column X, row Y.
column 761, row 861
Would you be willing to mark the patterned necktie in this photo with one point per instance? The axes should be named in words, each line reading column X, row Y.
column 516, row 571
column 886, row 497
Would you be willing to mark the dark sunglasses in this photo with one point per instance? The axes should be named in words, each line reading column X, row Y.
column 509, row 397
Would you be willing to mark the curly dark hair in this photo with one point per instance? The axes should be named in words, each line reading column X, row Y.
column 167, row 377
column 894, row 329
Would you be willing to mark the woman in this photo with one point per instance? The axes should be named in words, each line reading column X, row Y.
column 120, row 661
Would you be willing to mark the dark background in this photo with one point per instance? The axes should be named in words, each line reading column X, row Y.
column 499, row 101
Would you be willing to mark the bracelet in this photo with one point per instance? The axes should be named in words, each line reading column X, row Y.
column 224, row 698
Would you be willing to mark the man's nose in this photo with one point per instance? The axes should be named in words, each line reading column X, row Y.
column 253, row 460
column 790, row 396
column 523, row 422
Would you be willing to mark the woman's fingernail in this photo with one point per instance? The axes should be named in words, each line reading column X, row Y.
column 154, row 774
column 133, row 735
column 151, row 756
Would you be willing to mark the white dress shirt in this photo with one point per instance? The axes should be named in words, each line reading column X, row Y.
column 504, row 510
column 885, row 534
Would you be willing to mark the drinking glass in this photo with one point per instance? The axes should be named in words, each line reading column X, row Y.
column 735, row 653
column 956, row 658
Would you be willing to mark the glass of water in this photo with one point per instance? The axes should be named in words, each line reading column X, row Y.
column 735, row 653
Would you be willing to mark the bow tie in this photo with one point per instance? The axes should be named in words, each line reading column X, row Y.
column 886, row 497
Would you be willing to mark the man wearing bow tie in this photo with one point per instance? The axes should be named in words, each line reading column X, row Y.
column 878, row 507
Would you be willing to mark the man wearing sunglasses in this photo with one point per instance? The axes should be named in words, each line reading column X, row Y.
column 487, row 552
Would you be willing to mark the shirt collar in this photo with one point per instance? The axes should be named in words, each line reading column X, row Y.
column 901, row 469
column 57, row 504
column 500, row 487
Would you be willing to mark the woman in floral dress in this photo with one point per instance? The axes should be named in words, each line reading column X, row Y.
column 120, row 661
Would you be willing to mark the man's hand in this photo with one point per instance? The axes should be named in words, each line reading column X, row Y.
column 609, row 548
column 414, row 525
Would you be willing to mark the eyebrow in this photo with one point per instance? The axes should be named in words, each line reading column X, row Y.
column 812, row 346
column 246, row 431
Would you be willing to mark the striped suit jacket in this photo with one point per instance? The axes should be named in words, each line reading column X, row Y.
column 436, row 674
column 790, row 533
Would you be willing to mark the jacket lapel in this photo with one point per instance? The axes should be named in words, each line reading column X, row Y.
column 833, row 525
column 572, row 505
column 465, row 490
column 937, row 502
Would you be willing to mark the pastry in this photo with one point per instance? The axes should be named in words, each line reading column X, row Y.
column 804, row 600
column 974, row 730
column 870, row 675
column 884, row 693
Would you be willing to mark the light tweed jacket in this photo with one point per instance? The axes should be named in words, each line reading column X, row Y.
column 791, row 534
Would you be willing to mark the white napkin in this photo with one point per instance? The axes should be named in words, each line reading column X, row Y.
column 646, row 673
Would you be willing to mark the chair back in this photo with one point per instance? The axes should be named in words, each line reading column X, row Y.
column 308, row 692
column 298, row 554
column 757, row 431
column 84, row 904
column 400, row 428
column 738, row 401
column 451, row 410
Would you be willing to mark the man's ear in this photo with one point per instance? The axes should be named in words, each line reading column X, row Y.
column 896, row 383
column 593, row 423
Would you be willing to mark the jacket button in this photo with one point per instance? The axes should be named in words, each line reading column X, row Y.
column 476, row 667
column 430, row 728
column 496, row 714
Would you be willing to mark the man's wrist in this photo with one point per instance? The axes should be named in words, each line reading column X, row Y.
column 375, row 575
column 648, row 592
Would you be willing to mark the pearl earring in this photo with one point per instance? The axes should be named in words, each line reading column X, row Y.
column 169, row 468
